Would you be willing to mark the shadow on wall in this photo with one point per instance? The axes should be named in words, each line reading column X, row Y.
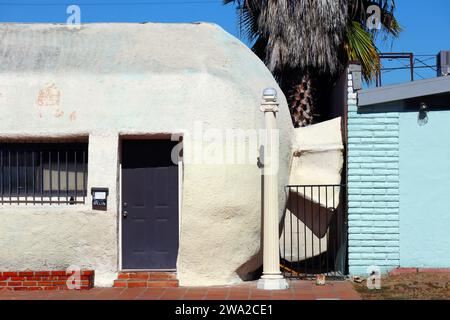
column 304, row 219
column 331, row 260
column 309, row 212
column 313, row 238
column 313, row 242
column 313, row 215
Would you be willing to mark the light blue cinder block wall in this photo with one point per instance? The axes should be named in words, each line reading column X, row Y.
column 373, row 189
column 425, row 189
column 398, row 186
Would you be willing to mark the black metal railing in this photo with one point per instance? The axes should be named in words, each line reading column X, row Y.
column 37, row 173
column 314, row 234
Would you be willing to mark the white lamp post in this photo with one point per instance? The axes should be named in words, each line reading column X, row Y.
column 272, row 278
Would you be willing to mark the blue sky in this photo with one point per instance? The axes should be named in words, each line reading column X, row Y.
column 426, row 23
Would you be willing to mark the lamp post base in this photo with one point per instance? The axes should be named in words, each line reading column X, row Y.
column 272, row 283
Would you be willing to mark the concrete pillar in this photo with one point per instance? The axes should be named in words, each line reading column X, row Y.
column 272, row 278
column 103, row 168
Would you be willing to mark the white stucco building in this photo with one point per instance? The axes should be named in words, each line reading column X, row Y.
column 97, row 107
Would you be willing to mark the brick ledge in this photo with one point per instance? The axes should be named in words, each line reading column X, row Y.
column 44, row 280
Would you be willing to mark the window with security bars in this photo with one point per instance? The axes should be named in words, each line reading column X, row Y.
column 43, row 173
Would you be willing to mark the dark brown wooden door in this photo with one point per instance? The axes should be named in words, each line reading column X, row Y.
column 149, row 205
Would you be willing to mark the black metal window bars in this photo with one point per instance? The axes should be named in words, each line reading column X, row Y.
column 43, row 173
column 314, row 235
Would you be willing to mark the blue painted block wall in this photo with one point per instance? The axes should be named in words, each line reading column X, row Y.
column 425, row 189
column 398, row 188
column 373, row 189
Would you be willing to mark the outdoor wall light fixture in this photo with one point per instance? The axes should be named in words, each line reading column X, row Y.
column 270, row 93
column 423, row 114
column 423, row 107
column 270, row 103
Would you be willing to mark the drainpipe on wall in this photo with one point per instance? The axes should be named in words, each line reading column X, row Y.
column 272, row 278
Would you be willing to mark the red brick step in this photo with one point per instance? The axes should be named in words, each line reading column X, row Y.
column 146, row 280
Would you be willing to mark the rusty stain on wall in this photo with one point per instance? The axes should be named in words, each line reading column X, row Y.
column 73, row 116
column 59, row 113
column 49, row 96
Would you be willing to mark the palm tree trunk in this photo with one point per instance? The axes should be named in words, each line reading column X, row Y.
column 301, row 102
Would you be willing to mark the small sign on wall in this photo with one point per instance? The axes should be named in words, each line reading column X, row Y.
column 100, row 198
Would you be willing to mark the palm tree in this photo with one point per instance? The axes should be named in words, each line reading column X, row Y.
column 305, row 43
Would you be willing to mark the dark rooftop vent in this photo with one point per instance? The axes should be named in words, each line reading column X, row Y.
column 443, row 63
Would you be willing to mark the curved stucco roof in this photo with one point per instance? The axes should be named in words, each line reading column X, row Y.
column 121, row 59
column 122, row 48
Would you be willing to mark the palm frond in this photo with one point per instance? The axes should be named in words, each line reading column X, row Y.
column 315, row 35
column 361, row 47
column 248, row 12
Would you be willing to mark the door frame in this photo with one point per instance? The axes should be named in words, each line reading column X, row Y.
column 151, row 136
